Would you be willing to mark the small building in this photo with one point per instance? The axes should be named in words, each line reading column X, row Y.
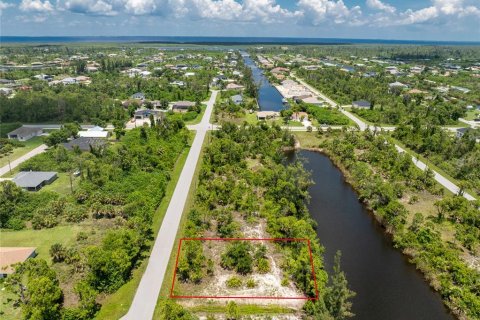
column 361, row 104
column 85, row 144
column 10, row 256
column 299, row 116
column 397, row 84
column 6, row 91
column 265, row 115
column 237, row 99
column 138, row 96
column 24, row 133
column 234, row 86
column 142, row 114
column 313, row 100
column 34, row 180
column 182, row 106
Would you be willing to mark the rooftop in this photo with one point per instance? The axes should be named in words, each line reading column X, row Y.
column 32, row 179
column 13, row 255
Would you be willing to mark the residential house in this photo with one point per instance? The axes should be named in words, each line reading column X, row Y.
column 6, row 91
column 265, row 115
column 138, row 96
column 361, row 104
column 182, row 106
column 234, row 86
column 237, row 99
column 397, row 84
column 85, row 144
column 24, row 133
column 95, row 132
column 141, row 114
column 10, row 256
column 313, row 100
column 34, row 180
column 299, row 116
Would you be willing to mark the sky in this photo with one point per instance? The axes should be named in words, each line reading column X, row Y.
column 362, row 19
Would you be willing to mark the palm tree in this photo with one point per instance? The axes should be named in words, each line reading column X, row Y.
column 57, row 252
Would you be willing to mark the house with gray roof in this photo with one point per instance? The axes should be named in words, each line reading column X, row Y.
column 34, row 180
column 182, row 106
column 361, row 104
column 85, row 144
column 237, row 99
column 24, row 133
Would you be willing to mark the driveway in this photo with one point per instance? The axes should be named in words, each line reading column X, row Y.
column 15, row 163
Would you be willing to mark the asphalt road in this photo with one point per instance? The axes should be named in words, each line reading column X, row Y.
column 25, row 157
column 363, row 126
column 145, row 300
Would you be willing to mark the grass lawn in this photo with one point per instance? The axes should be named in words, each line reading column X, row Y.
column 7, row 311
column 117, row 304
column 244, row 309
column 42, row 239
column 18, row 152
column 472, row 114
column 307, row 139
column 62, row 184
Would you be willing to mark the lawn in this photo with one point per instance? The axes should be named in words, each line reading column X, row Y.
column 472, row 114
column 62, row 184
column 307, row 139
column 117, row 304
column 42, row 239
column 18, row 152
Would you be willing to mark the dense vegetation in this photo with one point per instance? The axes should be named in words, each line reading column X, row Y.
column 119, row 190
column 390, row 183
column 458, row 156
column 245, row 180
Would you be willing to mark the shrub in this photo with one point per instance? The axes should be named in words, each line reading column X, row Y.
column 234, row 282
column 238, row 257
column 263, row 265
column 251, row 283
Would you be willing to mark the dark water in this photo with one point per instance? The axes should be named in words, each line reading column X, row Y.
column 387, row 286
column 223, row 40
column 269, row 99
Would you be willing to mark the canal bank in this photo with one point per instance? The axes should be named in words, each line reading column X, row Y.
column 387, row 285
column 269, row 98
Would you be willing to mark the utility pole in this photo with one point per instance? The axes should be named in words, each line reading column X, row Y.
column 9, row 166
column 71, row 182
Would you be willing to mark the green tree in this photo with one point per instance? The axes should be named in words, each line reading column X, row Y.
column 338, row 295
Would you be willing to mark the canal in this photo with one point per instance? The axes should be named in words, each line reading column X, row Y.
column 387, row 285
column 269, row 99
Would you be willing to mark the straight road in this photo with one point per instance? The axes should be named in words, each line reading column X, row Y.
column 440, row 179
column 15, row 163
column 363, row 126
column 145, row 300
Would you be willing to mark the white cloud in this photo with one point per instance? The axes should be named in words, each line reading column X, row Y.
column 5, row 5
column 94, row 7
column 38, row 18
column 318, row 11
column 379, row 5
column 440, row 11
column 140, row 7
column 36, row 6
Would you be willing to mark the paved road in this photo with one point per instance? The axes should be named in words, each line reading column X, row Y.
column 363, row 126
column 145, row 300
column 441, row 179
column 15, row 163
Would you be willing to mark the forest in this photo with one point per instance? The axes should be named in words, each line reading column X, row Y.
column 119, row 189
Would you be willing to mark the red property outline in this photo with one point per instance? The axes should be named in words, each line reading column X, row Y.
column 172, row 296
